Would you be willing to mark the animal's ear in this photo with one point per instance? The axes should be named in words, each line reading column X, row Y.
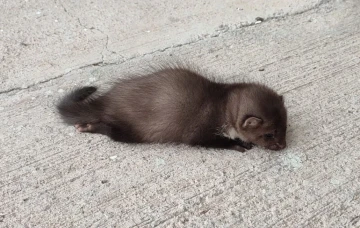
column 252, row 122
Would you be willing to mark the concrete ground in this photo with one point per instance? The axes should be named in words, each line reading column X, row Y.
column 51, row 176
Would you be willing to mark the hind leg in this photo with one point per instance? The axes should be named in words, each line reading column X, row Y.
column 123, row 134
column 99, row 128
column 84, row 127
column 115, row 132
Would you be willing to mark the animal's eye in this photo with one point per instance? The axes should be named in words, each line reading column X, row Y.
column 269, row 136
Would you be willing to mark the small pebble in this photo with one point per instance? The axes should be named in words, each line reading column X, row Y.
column 259, row 19
column 48, row 93
column 38, row 12
column 60, row 90
column 261, row 69
column 104, row 181
column 113, row 157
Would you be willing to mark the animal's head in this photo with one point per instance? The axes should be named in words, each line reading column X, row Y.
column 261, row 118
column 269, row 134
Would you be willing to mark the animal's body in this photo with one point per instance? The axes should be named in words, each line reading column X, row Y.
column 178, row 105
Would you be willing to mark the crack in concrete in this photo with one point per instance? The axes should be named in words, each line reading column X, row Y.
column 106, row 44
column 105, row 48
column 50, row 79
column 223, row 30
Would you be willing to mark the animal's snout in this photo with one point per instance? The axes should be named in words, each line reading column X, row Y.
column 281, row 145
column 278, row 146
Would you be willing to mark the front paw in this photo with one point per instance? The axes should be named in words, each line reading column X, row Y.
column 247, row 146
column 238, row 148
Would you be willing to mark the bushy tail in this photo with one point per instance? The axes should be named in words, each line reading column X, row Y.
column 79, row 107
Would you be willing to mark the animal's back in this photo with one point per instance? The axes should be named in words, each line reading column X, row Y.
column 165, row 106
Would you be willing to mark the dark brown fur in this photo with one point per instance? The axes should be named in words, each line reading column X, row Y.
column 177, row 105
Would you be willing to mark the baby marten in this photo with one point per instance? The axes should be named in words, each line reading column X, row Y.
column 178, row 105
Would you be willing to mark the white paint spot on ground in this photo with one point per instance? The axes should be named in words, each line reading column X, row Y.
column 293, row 161
column 337, row 180
column 92, row 79
column 159, row 162
column 38, row 12
column 19, row 128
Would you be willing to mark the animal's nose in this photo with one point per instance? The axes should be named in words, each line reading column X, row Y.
column 277, row 146
column 281, row 145
column 274, row 147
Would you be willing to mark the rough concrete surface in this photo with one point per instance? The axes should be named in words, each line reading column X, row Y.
column 51, row 176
